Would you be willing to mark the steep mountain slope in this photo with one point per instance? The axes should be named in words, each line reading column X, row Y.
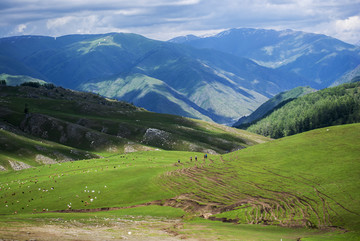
column 348, row 77
column 204, row 84
column 272, row 104
column 327, row 107
column 83, row 122
column 149, row 93
column 315, row 57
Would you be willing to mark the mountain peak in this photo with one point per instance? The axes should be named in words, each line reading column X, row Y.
column 182, row 39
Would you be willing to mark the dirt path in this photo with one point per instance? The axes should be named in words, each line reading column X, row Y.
column 149, row 230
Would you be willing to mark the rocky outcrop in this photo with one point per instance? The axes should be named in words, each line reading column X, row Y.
column 18, row 165
column 44, row 159
column 159, row 138
column 66, row 133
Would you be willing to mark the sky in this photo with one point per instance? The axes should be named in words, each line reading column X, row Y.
column 165, row 19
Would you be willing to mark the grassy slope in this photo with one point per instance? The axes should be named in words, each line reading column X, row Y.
column 32, row 151
column 311, row 176
column 114, row 125
column 308, row 179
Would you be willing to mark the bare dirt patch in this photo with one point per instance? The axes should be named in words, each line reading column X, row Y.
column 115, row 229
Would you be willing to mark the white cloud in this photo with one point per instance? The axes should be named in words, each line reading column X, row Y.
column 21, row 28
column 58, row 22
column 71, row 24
column 164, row 19
column 348, row 29
column 350, row 24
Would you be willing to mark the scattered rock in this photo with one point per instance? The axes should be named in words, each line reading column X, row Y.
column 44, row 159
column 209, row 151
column 112, row 149
column 18, row 165
column 129, row 148
column 156, row 137
column 62, row 158
column 64, row 132
column 2, row 168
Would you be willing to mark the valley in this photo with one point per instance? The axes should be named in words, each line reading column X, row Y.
column 265, row 184
column 120, row 137
column 219, row 78
column 147, row 175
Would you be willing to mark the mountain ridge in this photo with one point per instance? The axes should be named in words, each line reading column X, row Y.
column 212, row 84
column 84, row 59
column 293, row 51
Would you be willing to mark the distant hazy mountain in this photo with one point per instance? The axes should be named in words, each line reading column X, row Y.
column 318, row 58
column 160, row 76
column 348, row 77
column 214, row 79
column 272, row 104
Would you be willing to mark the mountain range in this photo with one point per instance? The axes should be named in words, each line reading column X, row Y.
column 218, row 78
column 318, row 58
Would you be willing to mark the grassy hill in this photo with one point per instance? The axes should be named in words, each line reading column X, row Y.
column 327, row 107
column 272, row 104
column 306, row 180
column 89, row 122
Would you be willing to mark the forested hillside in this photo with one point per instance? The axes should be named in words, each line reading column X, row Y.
column 272, row 104
column 331, row 106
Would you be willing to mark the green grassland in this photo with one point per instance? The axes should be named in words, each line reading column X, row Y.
column 305, row 186
column 35, row 151
column 86, row 122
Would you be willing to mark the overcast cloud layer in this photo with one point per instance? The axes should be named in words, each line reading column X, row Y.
column 165, row 19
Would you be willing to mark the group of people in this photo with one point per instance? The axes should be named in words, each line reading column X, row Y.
column 205, row 157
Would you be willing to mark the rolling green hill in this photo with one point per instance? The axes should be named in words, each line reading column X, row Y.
column 327, row 107
column 80, row 122
column 269, row 106
column 306, row 180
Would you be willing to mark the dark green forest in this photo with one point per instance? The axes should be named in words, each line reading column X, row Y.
column 327, row 107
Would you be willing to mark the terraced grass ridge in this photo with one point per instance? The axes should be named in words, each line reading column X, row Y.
column 305, row 186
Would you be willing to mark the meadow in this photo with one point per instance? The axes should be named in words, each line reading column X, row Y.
column 303, row 186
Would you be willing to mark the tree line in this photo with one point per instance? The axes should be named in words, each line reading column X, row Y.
column 327, row 107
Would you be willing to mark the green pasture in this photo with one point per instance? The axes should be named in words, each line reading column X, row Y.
column 117, row 181
column 308, row 180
